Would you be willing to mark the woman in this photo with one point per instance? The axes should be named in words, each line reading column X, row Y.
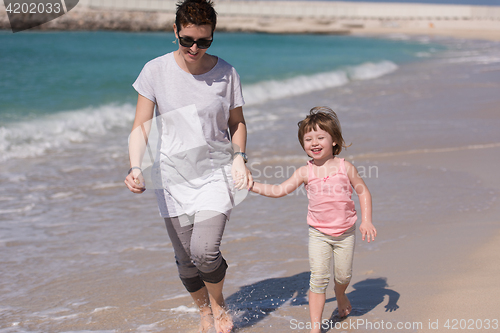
column 201, row 153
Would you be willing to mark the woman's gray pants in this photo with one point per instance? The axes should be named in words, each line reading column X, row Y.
column 196, row 241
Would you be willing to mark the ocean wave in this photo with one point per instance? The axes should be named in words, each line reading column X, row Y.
column 476, row 59
column 275, row 89
column 34, row 137
column 368, row 71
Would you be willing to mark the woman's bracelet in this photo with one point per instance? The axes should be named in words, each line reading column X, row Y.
column 132, row 168
column 245, row 157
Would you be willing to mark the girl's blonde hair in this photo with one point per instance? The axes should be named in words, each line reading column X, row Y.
column 327, row 120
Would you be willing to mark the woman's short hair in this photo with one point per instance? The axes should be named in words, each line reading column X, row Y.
column 327, row 120
column 197, row 12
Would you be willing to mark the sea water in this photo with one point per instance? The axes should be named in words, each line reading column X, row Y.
column 59, row 88
column 79, row 252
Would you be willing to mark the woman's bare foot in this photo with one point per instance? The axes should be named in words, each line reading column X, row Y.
column 344, row 305
column 223, row 321
column 206, row 320
column 315, row 329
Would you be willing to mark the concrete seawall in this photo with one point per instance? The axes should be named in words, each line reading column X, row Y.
column 317, row 9
column 286, row 17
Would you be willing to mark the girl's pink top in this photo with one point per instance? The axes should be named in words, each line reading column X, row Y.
column 331, row 209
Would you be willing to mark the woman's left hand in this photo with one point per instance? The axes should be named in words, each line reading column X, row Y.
column 242, row 177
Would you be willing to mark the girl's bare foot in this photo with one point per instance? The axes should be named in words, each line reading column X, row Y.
column 223, row 321
column 344, row 306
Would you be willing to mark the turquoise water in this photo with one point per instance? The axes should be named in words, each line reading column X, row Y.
column 260, row 57
column 46, row 73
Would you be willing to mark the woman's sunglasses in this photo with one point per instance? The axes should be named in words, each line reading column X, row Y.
column 201, row 43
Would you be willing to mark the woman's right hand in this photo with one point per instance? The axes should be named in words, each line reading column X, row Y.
column 135, row 181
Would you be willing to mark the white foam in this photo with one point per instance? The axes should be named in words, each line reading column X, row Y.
column 184, row 309
column 168, row 298
column 480, row 54
column 71, row 316
column 35, row 137
column 273, row 89
column 18, row 210
column 477, row 59
column 61, row 195
column 369, row 70
column 149, row 328
column 104, row 309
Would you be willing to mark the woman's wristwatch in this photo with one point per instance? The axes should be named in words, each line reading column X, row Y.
column 245, row 157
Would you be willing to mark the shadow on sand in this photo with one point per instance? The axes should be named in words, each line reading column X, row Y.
column 253, row 303
column 367, row 294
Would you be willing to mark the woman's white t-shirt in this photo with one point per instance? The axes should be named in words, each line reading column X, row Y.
column 192, row 168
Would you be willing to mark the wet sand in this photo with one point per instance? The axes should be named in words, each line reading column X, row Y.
column 447, row 271
column 465, row 292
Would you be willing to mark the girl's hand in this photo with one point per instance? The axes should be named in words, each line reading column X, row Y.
column 135, row 181
column 250, row 179
column 242, row 177
column 367, row 230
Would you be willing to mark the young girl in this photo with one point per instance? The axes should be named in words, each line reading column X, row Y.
column 329, row 181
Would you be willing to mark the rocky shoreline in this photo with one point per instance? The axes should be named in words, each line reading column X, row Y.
column 125, row 20
column 91, row 20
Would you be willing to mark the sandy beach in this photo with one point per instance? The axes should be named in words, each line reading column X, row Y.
column 466, row 290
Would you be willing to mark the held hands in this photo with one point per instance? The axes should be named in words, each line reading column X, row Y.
column 367, row 230
column 135, row 181
column 242, row 177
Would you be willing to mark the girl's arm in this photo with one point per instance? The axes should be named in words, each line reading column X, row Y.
column 137, row 143
column 298, row 178
column 238, row 130
column 365, row 201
